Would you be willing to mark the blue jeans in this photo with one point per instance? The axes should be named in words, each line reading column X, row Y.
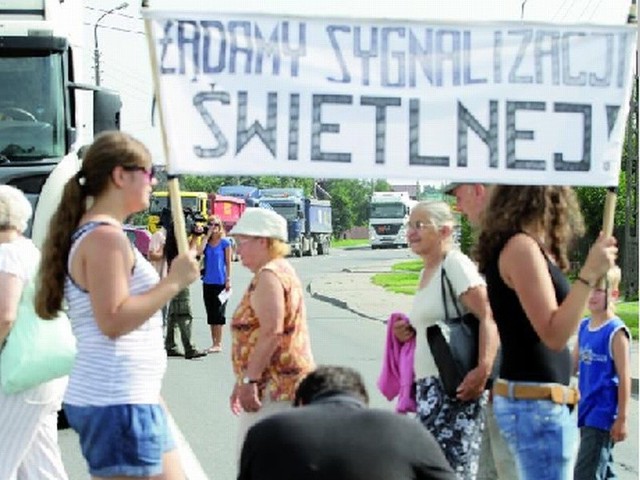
column 594, row 456
column 542, row 436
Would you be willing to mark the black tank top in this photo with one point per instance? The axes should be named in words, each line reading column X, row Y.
column 525, row 357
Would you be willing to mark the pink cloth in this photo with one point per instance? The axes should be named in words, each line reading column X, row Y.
column 397, row 375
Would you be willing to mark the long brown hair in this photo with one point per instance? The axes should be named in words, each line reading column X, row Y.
column 109, row 150
column 554, row 212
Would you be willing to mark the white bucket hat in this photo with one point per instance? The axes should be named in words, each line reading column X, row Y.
column 260, row 222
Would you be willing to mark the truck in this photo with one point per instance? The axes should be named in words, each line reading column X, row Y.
column 248, row 193
column 309, row 223
column 44, row 118
column 388, row 215
column 204, row 204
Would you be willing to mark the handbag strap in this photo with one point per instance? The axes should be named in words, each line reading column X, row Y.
column 444, row 278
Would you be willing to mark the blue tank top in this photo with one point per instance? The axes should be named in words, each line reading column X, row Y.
column 215, row 265
column 598, row 380
column 525, row 357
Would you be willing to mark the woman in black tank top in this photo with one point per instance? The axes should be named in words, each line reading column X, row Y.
column 522, row 250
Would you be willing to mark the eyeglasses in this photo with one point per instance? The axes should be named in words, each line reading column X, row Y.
column 149, row 173
column 214, row 224
column 418, row 225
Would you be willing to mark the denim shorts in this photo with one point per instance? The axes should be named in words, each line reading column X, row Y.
column 122, row 440
column 542, row 435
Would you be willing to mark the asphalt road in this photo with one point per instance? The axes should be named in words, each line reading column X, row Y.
column 197, row 391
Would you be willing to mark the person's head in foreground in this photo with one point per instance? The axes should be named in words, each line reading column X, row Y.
column 261, row 236
column 328, row 380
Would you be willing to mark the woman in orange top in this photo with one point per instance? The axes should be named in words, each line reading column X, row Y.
column 271, row 350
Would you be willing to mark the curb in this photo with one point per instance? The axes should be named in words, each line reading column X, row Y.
column 345, row 306
column 339, row 303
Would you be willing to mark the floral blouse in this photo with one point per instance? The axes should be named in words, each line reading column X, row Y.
column 293, row 359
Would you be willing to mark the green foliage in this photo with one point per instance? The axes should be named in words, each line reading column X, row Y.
column 349, row 202
column 140, row 218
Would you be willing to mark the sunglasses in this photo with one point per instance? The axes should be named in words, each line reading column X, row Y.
column 418, row 225
column 149, row 173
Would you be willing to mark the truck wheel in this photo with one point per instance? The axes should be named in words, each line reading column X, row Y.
column 299, row 253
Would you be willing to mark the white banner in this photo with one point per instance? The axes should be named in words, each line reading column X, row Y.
column 514, row 103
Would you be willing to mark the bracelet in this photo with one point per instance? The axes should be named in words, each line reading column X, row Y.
column 584, row 281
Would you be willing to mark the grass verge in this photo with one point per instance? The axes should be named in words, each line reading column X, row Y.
column 351, row 242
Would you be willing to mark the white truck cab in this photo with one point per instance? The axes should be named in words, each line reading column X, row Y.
column 388, row 214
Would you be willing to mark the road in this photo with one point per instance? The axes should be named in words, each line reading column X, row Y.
column 197, row 391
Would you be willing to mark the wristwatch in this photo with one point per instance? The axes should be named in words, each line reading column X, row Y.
column 248, row 381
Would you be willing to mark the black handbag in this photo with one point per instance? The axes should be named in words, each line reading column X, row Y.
column 456, row 357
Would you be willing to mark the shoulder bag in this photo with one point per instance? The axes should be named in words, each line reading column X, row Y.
column 458, row 355
column 36, row 350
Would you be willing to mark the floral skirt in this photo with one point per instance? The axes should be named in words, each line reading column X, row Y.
column 457, row 426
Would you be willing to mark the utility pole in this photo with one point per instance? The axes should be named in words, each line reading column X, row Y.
column 96, row 48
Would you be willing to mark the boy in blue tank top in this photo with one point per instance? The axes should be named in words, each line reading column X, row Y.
column 602, row 360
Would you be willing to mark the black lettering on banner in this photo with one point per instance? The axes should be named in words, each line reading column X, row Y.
column 466, row 60
column 198, row 101
column 568, row 78
column 165, row 41
column 489, row 136
column 294, row 126
column 552, row 51
column 527, row 37
column 398, row 56
column 331, row 31
column 497, row 56
column 421, row 55
column 584, row 164
column 365, row 53
column 605, row 79
column 448, row 55
column 513, row 134
column 208, row 67
column 414, row 140
column 381, row 104
column 267, row 47
column 296, row 53
column 267, row 135
column 318, row 128
column 194, row 41
column 612, row 116
column 242, row 30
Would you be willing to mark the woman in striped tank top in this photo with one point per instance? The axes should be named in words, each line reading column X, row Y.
column 114, row 297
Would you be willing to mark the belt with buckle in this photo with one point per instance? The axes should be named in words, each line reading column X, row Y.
column 555, row 392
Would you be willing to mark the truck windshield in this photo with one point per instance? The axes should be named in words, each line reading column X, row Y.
column 31, row 108
column 289, row 212
column 387, row 210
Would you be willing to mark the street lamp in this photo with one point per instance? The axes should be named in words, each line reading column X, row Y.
column 96, row 51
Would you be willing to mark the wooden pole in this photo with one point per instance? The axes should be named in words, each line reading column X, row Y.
column 179, row 227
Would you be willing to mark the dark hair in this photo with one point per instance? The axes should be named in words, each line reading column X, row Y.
column 330, row 379
column 108, row 150
column 552, row 211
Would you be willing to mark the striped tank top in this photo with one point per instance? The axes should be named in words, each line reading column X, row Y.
column 125, row 370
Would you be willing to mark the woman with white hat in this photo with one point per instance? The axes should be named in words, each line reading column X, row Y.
column 271, row 348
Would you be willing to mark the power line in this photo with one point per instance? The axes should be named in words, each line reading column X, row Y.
column 112, row 13
column 564, row 2
column 115, row 28
column 585, row 9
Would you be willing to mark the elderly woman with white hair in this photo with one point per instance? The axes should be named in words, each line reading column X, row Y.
column 271, row 348
column 28, row 419
column 455, row 422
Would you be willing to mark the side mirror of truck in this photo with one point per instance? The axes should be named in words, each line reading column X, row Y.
column 106, row 111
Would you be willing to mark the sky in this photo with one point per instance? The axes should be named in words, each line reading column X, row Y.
column 124, row 59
